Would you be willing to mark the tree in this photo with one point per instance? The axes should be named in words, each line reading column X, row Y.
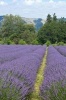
column 54, row 31
column 14, row 37
column 14, row 28
column 54, row 17
column 30, row 27
column 11, row 24
column 28, row 36
column 49, row 18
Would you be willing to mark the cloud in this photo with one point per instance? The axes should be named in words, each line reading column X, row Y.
column 34, row 8
column 39, row 1
column 51, row 1
column 2, row 3
column 30, row 2
column 14, row 0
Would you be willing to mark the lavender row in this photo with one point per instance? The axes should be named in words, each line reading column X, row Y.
column 62, row 50
column 22, row 71
column 9, row 53
column 15, row 48
column 54, row 75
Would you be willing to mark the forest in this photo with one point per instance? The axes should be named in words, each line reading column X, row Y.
column 14, row 30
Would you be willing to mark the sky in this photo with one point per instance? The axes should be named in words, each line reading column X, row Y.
column 33, row 8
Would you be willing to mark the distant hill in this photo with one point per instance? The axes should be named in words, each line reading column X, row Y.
column 38, row 22
column 1, row 18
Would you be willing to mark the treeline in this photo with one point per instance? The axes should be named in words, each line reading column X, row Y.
column 14, row 30
column 53, row 31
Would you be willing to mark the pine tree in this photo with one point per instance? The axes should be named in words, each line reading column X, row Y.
column 49, row 18
column 54, row 17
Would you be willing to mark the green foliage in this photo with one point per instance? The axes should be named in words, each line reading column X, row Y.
column 54, row 17
column 8, row 41
column 22, row 42
column 61, row 43
column 11, row 24
column 34, row 42
column 48, row 32
column 57, row 91
column 14, row 37
column 8, row 91
column 12, row 42
column 28, row 36
column 48, row 43
column 49, row 18
column 53, row 30
column 54, row 45
column 14, row 29
column 1, row 42
column 30, row 27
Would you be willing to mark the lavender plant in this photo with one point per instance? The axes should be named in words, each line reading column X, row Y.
column 54, row 84
column 8, row 91
column 62, row 50
column 19, row 74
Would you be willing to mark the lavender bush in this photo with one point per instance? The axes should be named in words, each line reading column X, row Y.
column 62, row 50
column 54, row 84
column 18, row 71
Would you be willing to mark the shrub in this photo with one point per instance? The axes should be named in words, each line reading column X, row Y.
column 61, row 43
column 48, row 43
column 22, row 41
column 34, row 42
column 7, row 41
column 1, row 42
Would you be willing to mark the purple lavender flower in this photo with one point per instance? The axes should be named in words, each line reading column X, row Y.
column 54, row 76
column 19, row 65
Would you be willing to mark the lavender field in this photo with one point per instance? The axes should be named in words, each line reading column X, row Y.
column 19, row 66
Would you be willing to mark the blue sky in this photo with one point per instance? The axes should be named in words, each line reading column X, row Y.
column 33, row 8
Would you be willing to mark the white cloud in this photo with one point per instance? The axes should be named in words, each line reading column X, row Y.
column 51, row 1
column 14, row 0
column 39, row 1
column 2, row 3
column 30, row 2
column 34, row 8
